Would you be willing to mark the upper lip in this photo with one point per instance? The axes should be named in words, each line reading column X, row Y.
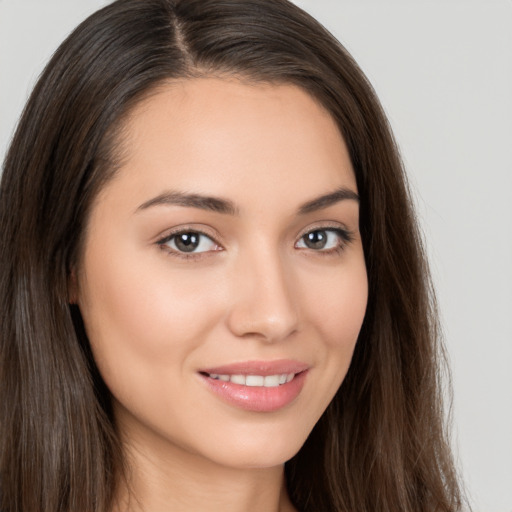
column 263, row 368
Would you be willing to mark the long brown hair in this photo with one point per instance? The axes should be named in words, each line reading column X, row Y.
column 381, row 444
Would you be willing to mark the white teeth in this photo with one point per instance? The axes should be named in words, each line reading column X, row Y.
column 238, row 379
column 254, row 380
column 271, row 381
column 267, row 381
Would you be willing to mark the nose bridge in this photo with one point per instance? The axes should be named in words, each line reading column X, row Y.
column 263, row 301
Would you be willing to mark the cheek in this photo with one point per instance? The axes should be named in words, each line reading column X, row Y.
column 337, row 309
column 139, row 315
column 338, row 305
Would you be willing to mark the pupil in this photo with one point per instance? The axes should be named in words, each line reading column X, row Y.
column 187, row 242
column 316, row 239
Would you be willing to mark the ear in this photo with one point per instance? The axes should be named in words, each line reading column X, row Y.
column 73, row 287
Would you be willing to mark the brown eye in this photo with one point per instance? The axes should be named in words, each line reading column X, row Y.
column 324, row 239
column 189, row 242
column 316, row 239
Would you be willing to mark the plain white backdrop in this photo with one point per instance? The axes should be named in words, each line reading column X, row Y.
column 443, row 71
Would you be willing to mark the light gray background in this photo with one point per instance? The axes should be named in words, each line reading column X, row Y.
column 443, row 71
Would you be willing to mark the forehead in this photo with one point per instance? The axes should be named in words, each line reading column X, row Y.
column 226, row 137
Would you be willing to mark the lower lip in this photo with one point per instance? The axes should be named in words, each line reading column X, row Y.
column 257, row 398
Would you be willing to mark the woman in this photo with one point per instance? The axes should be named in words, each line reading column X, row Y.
column 213, row 291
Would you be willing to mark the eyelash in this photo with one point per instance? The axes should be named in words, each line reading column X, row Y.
column 345, row 236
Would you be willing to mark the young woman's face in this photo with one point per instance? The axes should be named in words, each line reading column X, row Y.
column 223, row 282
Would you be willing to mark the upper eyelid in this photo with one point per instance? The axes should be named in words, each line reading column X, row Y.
column 334, row 225
column 169, row 234
column 326, row 225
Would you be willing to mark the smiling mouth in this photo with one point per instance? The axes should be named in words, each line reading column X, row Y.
column 267, row 381
column 257, row 386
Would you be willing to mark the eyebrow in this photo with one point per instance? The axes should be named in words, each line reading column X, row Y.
column 327, row 200
column 227, row 207
column 214, row 204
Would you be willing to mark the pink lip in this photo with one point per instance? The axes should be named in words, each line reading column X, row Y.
column 256, row 398
column 259, row 368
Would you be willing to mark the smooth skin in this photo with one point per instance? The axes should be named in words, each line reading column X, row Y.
column 254, row 287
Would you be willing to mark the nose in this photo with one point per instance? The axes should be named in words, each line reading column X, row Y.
column 263, row 304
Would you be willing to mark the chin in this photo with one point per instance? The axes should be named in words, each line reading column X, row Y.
column 258, row 451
